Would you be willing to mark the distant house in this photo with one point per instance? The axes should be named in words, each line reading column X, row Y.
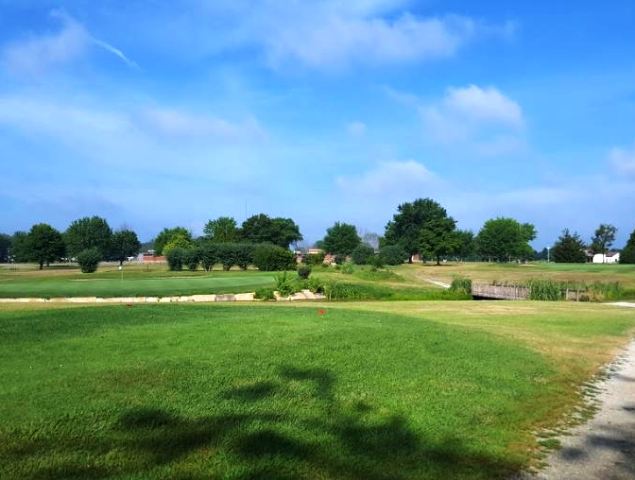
column 148, row 257
column 610, row 257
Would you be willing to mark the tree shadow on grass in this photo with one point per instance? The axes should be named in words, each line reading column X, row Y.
column 339, row 441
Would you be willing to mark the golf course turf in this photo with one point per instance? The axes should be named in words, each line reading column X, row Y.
column 246, row 392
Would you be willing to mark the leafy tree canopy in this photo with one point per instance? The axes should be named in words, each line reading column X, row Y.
column 569, row 248
column 5, row 246
column 422, row 226
column 222, row 230
column 178, row 240
column 44, row 244
column 628, row 252
column 504, row 239
column 166, row 235
column 125, row 243
column 341, row 239
column 603, row 238
column 87, row 233
column 263, row 229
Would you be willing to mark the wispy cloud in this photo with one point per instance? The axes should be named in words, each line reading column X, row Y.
column 39, row 53
column 623, row 160
column 480, row 118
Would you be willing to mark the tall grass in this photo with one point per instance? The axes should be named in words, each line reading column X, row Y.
column 461, row 285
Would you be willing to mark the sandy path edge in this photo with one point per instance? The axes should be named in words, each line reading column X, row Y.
column 604, row 447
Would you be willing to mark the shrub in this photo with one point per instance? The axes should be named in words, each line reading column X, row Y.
column 304, row 271
column 376, row 261
column 362, row 254
column 348, row 268
column 89, row 259
column 393, row 255
column 191, row 258
column 271, row 258
column 544, row 290
column 340, row 259
column 461, row 285
column 315, row 285
column 208, row 256
column 176, row 257
column 314, row 259
column 265, row 293
column 285, row 285
column 230, row 254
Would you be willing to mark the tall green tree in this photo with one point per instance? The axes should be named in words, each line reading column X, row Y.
column 44, row 244
column 86, row 233
column 465, row 244
column 422, row 226
column 263, row 229
column 124, row 244
column 505, row 239
column 166, row 235
column 603, row 238
column 569, row 248
column 341, row 239
column 5, row 246
column 222, row 230
column 19, row 251
column 628, row 252
column 438, row 235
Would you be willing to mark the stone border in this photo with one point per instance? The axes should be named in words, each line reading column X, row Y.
column 227, row 297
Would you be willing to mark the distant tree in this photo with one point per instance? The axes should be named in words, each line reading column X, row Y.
column 19, row 251
column 86, row 233
column 363, row 254
column 438, row 233
column 124, row 244
column 542, row 255
column 5, row 246
column 222, row 230
column 628, row 252
column 422, row 226
column 392, row 255
column 166, row 235
column 176, row 257
column 505, row 239
column 569, row 248
column 270, row 258
column 44, row 244
column 263, row 229
column 341, row 239
column 603, row 238
column 178, row 240
column 465, row 247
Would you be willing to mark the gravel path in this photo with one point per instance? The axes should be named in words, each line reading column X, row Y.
column 604, row 447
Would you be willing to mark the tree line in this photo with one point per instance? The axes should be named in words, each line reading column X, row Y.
column 420, row 228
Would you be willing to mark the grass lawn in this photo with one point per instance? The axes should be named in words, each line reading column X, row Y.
column 137, row 281
column 418, row 390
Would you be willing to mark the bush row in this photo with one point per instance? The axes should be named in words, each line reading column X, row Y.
column 265, row 257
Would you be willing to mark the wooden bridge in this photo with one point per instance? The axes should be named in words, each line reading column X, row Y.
column 500, row 292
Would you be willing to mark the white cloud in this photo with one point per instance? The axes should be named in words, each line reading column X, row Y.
column 623, row 160
column 389, row 178
column 482, row 119
column 39, row 53
column 356, row 129
column 178, row 123
column 483, row 104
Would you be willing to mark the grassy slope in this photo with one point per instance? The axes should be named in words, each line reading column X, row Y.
column 445, row 390
column 512, row 272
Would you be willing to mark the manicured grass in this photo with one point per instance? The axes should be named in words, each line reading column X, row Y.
column 136, row 281
column 182, row 391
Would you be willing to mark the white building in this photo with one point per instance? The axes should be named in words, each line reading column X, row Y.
column 611, row 257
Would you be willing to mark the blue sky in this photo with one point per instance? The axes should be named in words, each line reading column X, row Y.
column 157, row 114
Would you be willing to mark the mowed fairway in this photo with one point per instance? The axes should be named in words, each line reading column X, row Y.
column 135, row 281
column 420, row 390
